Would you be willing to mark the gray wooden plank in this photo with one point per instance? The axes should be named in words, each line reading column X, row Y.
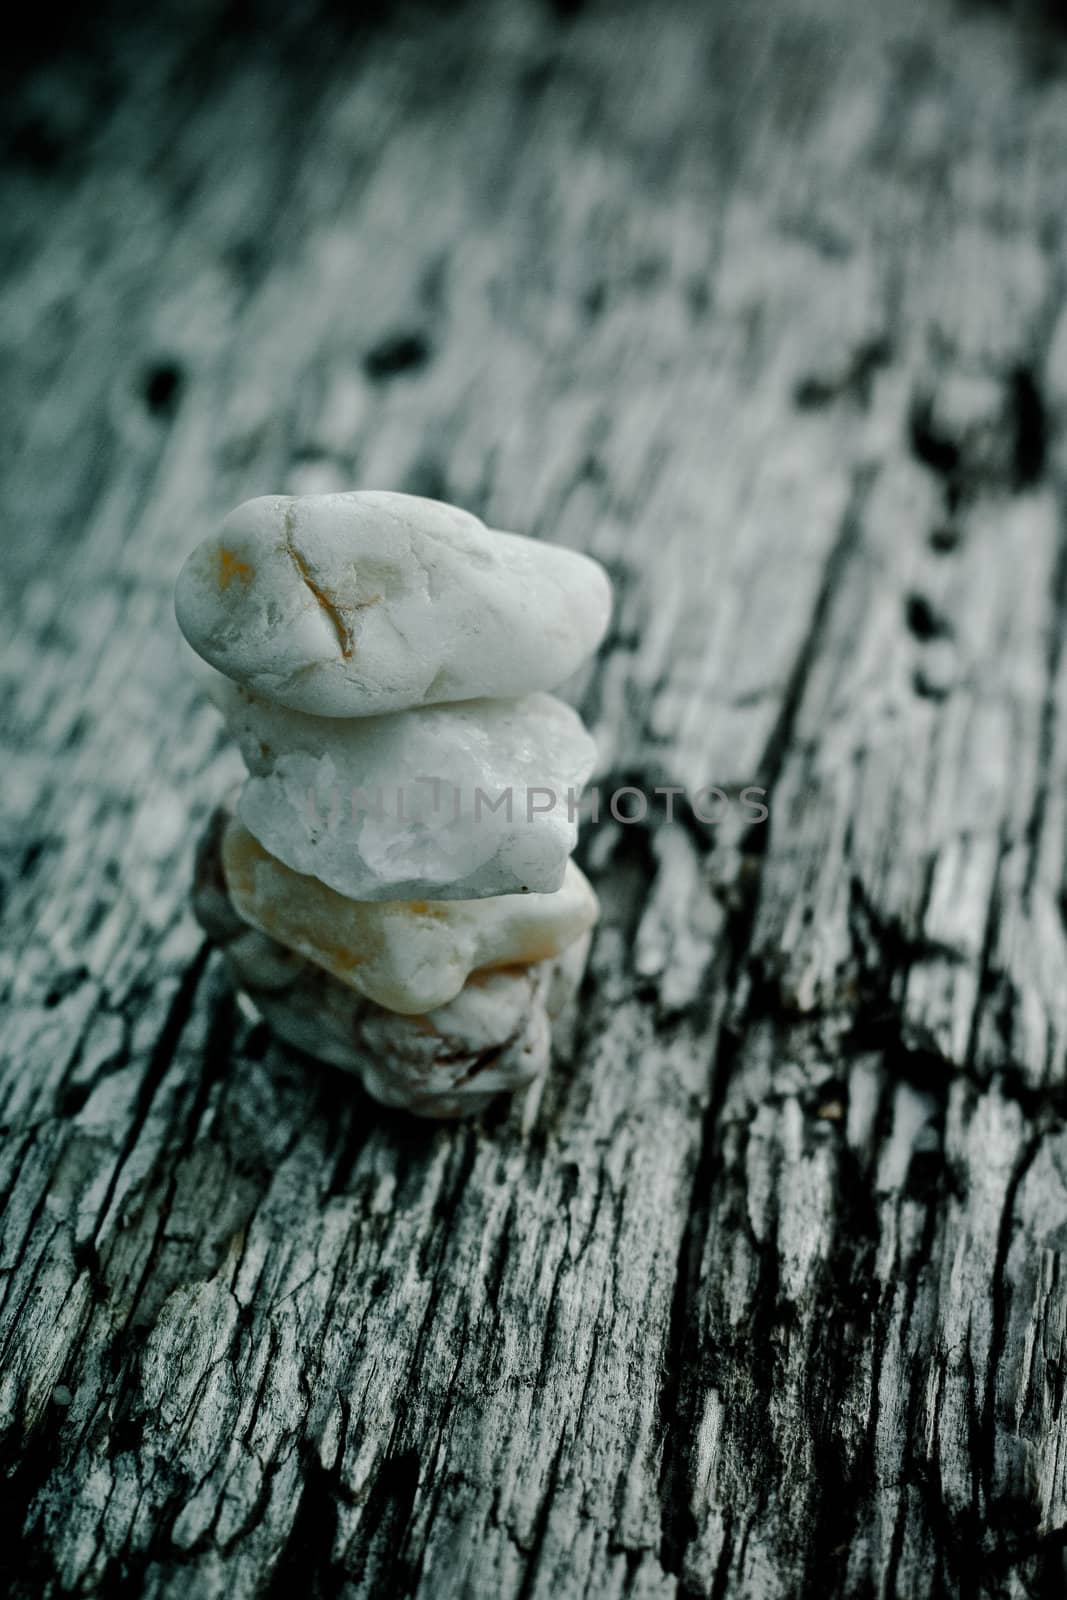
column 762, row 1293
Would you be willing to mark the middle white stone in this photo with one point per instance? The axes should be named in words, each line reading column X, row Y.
column 447, row 802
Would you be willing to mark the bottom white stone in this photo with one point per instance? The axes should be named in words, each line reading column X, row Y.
column 493, row 1038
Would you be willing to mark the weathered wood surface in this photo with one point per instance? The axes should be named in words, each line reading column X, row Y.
column 762, row 305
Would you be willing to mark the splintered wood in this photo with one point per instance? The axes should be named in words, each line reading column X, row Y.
column 763, row 1294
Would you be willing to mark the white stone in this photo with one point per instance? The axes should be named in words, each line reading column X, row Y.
column 351, row 605
column 400, row 807
column 494, row 1036
column 409, row 956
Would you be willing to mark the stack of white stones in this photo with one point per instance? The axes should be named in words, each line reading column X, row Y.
column 395, row 891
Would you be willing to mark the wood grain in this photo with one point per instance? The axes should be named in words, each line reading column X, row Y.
column 764, row 1294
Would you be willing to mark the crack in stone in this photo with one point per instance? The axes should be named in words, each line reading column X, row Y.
column 332, row 610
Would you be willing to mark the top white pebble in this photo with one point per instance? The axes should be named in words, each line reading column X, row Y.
column 350, row 605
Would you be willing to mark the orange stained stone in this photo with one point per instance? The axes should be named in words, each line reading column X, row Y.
column 481, row 976
column 231, row 566
column 339, row 956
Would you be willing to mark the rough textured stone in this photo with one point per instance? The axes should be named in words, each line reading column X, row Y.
column 440, row 802
column 349, row 605
column 406, row 955
column 493, row 1035
column 493, row 1038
